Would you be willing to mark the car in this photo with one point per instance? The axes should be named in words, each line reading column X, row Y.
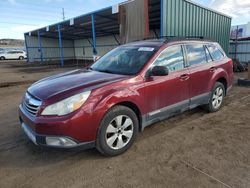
column 132, row 86
column 12, row 54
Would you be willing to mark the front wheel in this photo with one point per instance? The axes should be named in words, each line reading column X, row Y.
column 2, row 58
column 21, row 57
column 216, row 98
column 117, row 131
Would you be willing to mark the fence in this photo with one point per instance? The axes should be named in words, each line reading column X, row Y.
column 71, row 55
column 240, row 50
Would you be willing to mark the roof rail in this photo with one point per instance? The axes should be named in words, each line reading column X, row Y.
column 174, row 38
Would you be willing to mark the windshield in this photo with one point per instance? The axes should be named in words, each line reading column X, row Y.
column 124, row 60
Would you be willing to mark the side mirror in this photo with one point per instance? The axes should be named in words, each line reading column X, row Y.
column 159, row 71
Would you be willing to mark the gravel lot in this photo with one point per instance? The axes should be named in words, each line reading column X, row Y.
column 194, row 149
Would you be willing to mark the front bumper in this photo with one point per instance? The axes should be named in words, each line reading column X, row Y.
column 54, row 141
column 58, row 133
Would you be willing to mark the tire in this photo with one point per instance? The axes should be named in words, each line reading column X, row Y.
column 243, row 82
column 21, row 58
column 2, row 58
column 117, row 131
column 217, row 94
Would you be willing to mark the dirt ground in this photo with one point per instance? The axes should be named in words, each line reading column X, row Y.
column 194, row 149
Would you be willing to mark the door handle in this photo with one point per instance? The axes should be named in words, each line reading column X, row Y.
column 212, row 69
column 184, row 77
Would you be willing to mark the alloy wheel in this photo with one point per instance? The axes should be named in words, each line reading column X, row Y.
column 217, row 97
column 119, row 132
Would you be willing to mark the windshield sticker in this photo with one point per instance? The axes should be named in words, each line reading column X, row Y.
column 146, row 49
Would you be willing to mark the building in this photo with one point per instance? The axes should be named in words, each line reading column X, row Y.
column 98, row 32
column 240, row 31
column 240, row 43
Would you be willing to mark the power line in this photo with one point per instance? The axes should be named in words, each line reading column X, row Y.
column 47, row 5
column 42, row 8
column 27, row 17
column 35, row 13
column 24, row 11
column 19, row 23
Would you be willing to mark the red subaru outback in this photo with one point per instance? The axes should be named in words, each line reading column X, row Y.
column 129, row 88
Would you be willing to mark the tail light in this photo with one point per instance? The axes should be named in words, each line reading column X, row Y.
column 231, row 63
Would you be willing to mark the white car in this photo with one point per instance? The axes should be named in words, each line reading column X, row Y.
column 13, row 54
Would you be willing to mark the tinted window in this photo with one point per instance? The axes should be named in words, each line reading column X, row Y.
column 172, row 58
column 127, row 60
column 215, row 52
column 196, row 54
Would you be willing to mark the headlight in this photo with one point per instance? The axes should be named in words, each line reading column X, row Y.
column 68, row 105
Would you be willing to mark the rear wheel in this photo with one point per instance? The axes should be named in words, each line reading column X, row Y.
column 117, row 131
column 21, row 57
column 216, row 98
column 2, row 58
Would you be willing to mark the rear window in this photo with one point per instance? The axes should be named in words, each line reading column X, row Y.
column 215, row 52
column 196, row 54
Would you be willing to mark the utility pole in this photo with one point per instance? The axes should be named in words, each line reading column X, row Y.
column 236, row 42
column 63, row 15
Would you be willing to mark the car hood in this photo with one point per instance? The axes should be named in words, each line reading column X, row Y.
column 76, row 80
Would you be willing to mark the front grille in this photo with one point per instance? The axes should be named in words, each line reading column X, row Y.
column 31, row 104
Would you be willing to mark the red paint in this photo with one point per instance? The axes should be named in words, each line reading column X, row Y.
column 110, row 89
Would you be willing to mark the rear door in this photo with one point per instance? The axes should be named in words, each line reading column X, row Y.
column 166, row 95
column 201, row 71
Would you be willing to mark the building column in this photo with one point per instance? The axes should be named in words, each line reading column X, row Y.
column 60, row 44
column 40, row 46
column 93, row 35
column 26, row 46
column 161, row 19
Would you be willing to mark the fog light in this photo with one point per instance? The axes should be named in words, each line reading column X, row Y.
column 60, row 142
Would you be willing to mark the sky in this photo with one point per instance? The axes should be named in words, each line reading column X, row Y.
column 19, row 16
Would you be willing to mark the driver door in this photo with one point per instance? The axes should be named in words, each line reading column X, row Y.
column 167, row 95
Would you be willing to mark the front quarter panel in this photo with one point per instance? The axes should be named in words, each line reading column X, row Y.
column 130, row 90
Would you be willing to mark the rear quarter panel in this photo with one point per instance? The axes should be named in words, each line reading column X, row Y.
column 223, row 70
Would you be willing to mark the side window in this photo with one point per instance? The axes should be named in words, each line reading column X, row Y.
column 215, row 52
column 172, row 58
column 209, row 58
column 196, row 54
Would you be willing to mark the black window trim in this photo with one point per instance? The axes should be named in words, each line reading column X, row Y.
column 206, row 50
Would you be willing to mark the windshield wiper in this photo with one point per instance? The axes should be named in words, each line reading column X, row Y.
column 106, row 71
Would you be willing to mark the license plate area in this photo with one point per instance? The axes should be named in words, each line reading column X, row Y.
column 29, row 133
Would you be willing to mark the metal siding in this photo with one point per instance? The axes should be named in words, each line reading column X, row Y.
column 243, row 51
column 51, row 49
column 183, row 18
column 103, row 45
